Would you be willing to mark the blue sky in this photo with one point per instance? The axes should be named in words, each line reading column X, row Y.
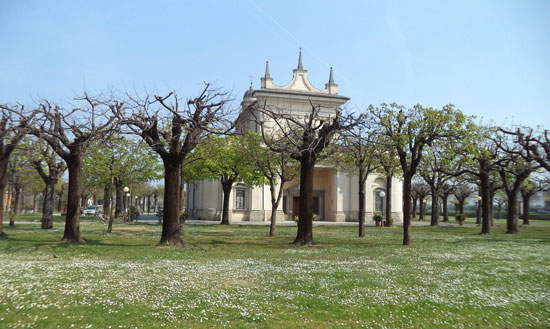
column 489, row 58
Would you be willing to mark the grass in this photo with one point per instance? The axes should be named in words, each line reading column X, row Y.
column 237, row 277
column 56, row 218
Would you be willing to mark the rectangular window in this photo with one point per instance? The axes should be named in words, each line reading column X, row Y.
column 240, row 197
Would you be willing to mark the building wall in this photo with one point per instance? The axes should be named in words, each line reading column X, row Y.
column 340, row 189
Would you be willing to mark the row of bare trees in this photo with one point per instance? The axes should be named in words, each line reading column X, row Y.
column 390, row 139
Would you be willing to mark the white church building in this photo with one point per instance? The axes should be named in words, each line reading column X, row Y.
column 335, row 191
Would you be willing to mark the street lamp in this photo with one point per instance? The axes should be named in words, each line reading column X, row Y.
column 382, row 194
column 126, row 191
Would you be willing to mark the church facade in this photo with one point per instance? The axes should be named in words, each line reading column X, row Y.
column 335, row 191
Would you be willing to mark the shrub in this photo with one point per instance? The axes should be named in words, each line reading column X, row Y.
column 377, row 218
column 460, row 218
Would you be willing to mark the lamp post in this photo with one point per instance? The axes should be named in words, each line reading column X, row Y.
column 126, row 191
column 382, row 194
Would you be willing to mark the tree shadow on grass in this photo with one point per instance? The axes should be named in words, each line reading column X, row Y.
column 95, row 242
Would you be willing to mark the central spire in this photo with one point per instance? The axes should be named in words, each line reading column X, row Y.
column 300, row 65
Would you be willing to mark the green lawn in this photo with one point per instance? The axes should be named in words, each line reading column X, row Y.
column 236, row 277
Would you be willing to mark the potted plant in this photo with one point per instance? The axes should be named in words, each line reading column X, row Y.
column 377, row 219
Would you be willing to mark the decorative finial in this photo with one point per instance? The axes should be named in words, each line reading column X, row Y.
column 250, row 88
column 331, row 77
column 266, row 75
column 300, row 66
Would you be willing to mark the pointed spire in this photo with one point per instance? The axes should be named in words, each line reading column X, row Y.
column 266, row 75
column 300, row 66
column 331, row 77
column 266, row 80
column 331, row 86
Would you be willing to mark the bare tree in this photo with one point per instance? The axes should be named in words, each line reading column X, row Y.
column 277, row 168
column 530, row 188
column 421, row 191
column 173, row 131
column 513, row 169
column 69, row 132
column 462, row 191
column 445, row 191
column 46, row 163
column 535, row 147
column 15, row 187
column 304, row 138
column 359, row 150
column 435, row 169
column 479, row 159
column 13, row 122
column 389, row 165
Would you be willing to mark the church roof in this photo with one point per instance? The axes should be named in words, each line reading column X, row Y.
column 300, row 83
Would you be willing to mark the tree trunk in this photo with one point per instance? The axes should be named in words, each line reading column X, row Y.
column 511, row 216
column 444, row 201
column 434, row 219
column 526, row 198
column 461, row 206
column 171, row 226
column 407, row 188
column 478, row 212
column 2, row 195
column 389, row 219
column 107, row 196
column 304, row 233
column 275, row 200
column 47, row 205
column 119, row 195
column 60, row 200
column 15, row 202
column 361, row 214
column 72, row 220
column 414, row 201
column 34, row 197
column 491, row 199
column 422, row 206
column 227, row 184
column 484, row 187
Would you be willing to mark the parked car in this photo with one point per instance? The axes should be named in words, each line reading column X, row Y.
column 93, row 210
